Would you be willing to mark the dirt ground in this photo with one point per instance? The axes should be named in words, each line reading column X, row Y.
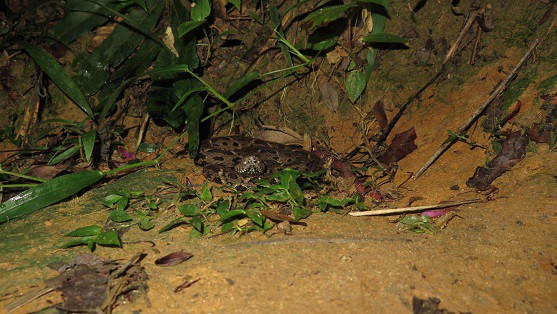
column 497, row 256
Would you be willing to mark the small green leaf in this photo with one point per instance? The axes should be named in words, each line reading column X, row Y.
column 190, row 210
column 236, row 3
column 384, row 38
column 232, row 213
column 108, row 238
column 145, row 223
column 201, row 10
column 148, row 147
column 76, row 242
column 122, row 203
column 88, row 140
column 222, row 207
column 85, row 231
column 256, row 217
column 206, row 195
column 197, row 223
column 111, row 199
column 119, row 215
column 300, row 212
column 355, row 85
column 172, row 224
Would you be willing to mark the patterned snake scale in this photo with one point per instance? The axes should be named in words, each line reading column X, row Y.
column 240, row 160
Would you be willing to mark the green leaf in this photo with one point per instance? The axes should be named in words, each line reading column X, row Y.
column 300, row 212
column 206, row 195
column 80, row 17
column 76, row 242
column 188, row 26
column 232, row 213
column 222, row 207
column 108, row 238
column 201, row 10
column 172, row 224
column 256, row 217
column 145, row 223
column 236, row 3
column 329, row 13
column 64, row 155
column 47, row 193
column 384, row 38
column 111, row 199
column 189, row 210
column 383, row 3
column 119, row 215
column 148, row 147
column 122, row 203
column 56, row 72
column 355, row 85
column 197, row 223
column 241, row 83
column 85, row 231
column 88, row 140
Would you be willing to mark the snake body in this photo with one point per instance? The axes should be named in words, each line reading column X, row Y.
column 240, row 160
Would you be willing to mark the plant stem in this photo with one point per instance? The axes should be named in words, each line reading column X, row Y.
column 19, row 175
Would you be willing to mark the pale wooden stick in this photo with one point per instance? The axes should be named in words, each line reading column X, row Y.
column 401, row 210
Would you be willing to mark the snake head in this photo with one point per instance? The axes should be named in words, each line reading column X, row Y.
column 251, row 166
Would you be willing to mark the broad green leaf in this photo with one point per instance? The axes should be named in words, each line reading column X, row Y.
column 47, row 193
column 88, row 140
column 201, row 10
column 64, row 155
column 119, row 215
column 85, row 231
column 58, row 75
column 108, row 238
column 355, row 85
column 329, row 13
column 80, row 17
column 188, row 26
column 189, row 210
column 118, row 46
column 384, row 38
column 321, row 41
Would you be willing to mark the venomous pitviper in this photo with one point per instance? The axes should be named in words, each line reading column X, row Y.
column 241, row 160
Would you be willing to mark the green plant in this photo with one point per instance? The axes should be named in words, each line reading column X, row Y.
column 91, row 236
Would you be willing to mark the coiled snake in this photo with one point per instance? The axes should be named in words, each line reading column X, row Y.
column 241, row 160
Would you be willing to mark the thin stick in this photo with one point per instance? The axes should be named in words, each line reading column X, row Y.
column 402, row 210
column 498, row 90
